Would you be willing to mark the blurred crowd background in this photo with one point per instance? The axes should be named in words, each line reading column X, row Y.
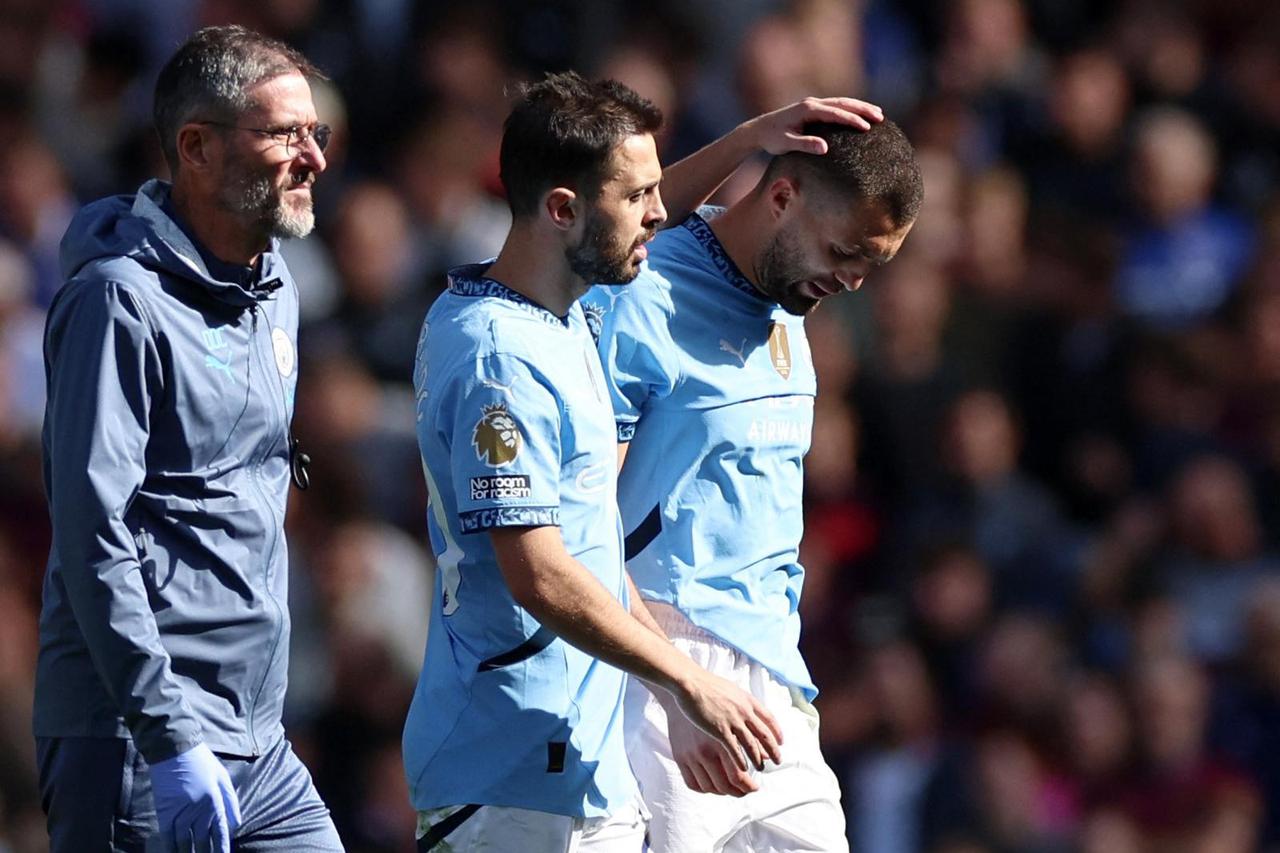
column 1043, row 514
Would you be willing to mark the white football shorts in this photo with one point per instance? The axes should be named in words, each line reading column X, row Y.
column 798, row 805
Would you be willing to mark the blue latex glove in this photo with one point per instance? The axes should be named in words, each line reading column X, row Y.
column 196, row 805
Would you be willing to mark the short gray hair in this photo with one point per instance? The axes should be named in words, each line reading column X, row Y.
column 209, row 78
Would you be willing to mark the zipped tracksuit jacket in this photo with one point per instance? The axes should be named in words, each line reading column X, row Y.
column 166, row 463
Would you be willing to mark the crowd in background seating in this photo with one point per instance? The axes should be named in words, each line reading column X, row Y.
column 1043, row 499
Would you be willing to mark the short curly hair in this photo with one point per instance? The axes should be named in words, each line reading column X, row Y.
column 877, row 164
column 562, row 132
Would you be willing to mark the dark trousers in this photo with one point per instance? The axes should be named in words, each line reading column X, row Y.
column 96, row 793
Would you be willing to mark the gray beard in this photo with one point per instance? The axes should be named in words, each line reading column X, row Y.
column 260, row 201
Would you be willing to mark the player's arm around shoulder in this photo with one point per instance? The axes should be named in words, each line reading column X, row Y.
column 561, row 594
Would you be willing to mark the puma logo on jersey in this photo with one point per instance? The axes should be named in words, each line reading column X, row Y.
column 498, row 386
column 614, row 294
column 211, row 360
column 496, row 437
column 739, row 350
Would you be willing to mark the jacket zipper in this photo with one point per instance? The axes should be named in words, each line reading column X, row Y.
column 256, row 354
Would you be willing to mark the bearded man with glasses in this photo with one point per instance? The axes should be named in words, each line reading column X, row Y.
column 171, row 365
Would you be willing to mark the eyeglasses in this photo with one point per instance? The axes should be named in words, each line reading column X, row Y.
column 292, row 137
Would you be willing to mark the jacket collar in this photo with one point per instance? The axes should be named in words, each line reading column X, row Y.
column 177, row 248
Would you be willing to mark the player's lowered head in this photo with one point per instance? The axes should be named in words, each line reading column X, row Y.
column 828, row 220
column 581, row 172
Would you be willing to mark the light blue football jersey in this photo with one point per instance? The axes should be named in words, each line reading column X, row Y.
column 713, row 386
column 515, row 429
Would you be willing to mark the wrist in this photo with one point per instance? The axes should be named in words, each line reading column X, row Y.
column 167, row 748
column 683, row 681
column 186, row 756
column 747, row 139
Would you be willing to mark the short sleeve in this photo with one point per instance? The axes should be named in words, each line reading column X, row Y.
column 505, row 447
column 636, row 348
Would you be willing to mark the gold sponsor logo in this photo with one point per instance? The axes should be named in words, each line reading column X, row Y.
column 496, row 436
column 780, row 349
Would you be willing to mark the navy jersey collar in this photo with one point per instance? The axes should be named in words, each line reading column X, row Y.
column 701, row 231
column 470, row 280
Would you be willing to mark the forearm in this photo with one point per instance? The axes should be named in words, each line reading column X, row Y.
column 642, row 614
column 561, row 594
column 691, row 181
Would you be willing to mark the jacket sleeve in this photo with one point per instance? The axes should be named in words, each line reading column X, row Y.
column 104, row 375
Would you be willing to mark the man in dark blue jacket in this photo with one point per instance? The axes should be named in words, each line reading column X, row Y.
column 170, row 357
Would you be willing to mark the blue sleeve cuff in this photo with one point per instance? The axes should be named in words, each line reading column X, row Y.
column 478, row 520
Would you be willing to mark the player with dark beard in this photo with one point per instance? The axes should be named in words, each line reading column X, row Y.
column 713, row 388
column 514, row 738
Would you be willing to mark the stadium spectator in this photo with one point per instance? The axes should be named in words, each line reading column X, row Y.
column 1057, row 108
